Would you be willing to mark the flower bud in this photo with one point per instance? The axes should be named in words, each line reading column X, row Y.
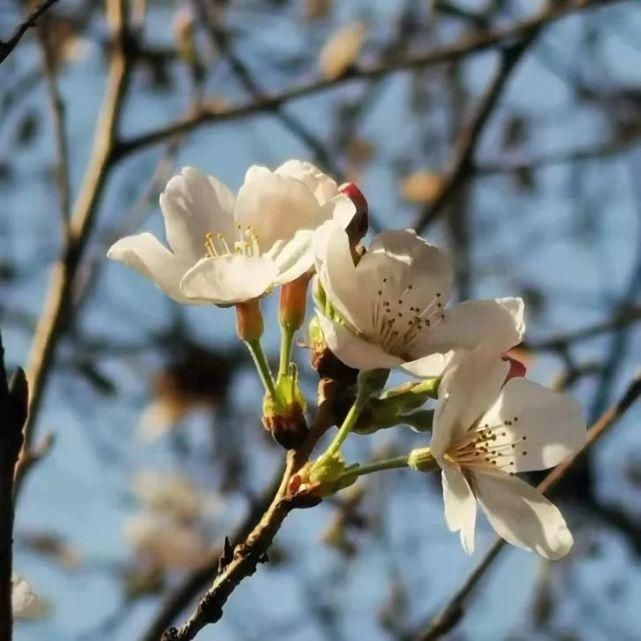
column 293, row 302
column 517, row 368
column 284, row 416
column 360, row 222
column 249, row 320
column 286, row 424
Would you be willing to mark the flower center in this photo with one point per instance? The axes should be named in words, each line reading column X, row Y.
column 398, row 322
column 491, row 446
column 245, row 244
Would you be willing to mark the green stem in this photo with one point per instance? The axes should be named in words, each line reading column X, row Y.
column 346, row 427
column 385, row 464
column 256, row 350
column 286, row 345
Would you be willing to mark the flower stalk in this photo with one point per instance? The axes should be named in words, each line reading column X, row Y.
column 262, row 366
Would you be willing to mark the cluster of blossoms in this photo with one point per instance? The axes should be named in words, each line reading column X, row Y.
column 380, row 307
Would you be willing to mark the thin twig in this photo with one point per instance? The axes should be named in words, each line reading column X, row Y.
column 220, row 39
column 52, row 320
column 57, row 109
column 565, row 156
column 469, row 137
column 246, row 556
column 7, row 46
column 443, row 55
column 453, row 611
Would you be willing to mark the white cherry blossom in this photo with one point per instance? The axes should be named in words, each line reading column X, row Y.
column 392, row 305
column 227, row 250
column 486, row 430
column 25, row 603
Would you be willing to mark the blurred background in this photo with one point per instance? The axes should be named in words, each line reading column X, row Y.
column 506, row 130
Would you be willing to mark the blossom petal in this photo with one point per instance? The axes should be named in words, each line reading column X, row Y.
column 193, row 205
column 320, row 184
column 499, row 321
column 229, row 279
column 150, row 258
column 295, row 257
column 470, row 384
column 460, row 505
column 338, row 276
column 276, row 207
column 340, row 209
column 535, row 428
column 429, row 366
column 419, row 272
column 353, row 350
column 522, row 516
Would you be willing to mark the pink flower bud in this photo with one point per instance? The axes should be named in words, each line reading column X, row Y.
column 517, row 368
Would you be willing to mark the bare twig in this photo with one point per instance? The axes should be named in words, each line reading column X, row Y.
column 52, row 321
column 453, row 611
column 565, row 156
column 460, row 165
column 183, row 595
column 13, row 412
column 57, row 109
column 7, row 46
column 220, row 39
column 247, row 555
column 443, row 55
column 623, row 318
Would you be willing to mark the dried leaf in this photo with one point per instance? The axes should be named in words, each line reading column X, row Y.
column 421, row 187
column 341, row 50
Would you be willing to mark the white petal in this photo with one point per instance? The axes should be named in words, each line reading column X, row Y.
column 499, row 321
column 535, row 427
column 470, row 385
column 431, row 366
column 338, row 276
column 193, row 205
column 320, row 184
column 460, row 506
column 340, row 209
column 522, row 516
column 276, row 207
column 353, row 350
column 293, row 258
column 149, row 257
column 229, row 279
column 421, row 270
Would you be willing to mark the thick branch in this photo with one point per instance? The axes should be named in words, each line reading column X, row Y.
column 443, row 55
column 7, row 46
column 452, row 613
column 13, row 411
column 58, row 297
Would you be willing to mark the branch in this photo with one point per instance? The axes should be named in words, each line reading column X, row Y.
column 188, row 590
column 57, row 108
column 220, row 39
column 444, row 55
column 7, row 46
column 453, row 611
column 564, row 156
column 560, row 342
column 241, row 562
column 52, row 321
column 13, row 412
column 461, row 163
